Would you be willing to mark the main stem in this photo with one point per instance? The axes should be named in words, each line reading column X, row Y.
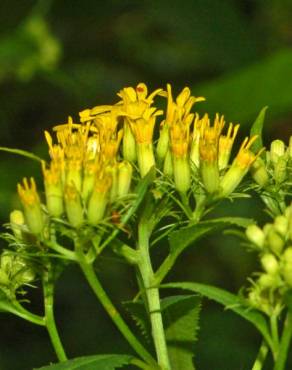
column 50, row 323
column 153, row 298
column 100, row 293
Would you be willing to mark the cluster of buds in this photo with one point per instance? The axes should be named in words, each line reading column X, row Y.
column 274, row 245
column 91, row 162
column 14, row 272
column 276, row 166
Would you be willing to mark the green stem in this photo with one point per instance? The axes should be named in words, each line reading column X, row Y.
column 20, row 311
column 153, row 298
column 100, row 293
column 274, row 333
column 48, row 287
column 280, row 363
column 261, row 357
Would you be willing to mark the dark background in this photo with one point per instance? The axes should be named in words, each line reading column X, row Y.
column 59, row 57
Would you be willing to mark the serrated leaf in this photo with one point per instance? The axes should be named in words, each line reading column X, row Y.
column 97, row 362
column 185, row 236
column 22, row 153
column 181, row 319
column 257, row 129
column 230, row 301
column 139, row 315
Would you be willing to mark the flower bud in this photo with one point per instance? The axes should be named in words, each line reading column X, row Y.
column 259, row 172
column 163, row 142
column 99, row 200
column 275, row 241
column 73, row 206
column 17, row 223
column 239, row 167
column 277, row 150
column 168, row 167
column 90, row 170
column 146, row 158
column 290, row 148
column 32, row 206
column 268, row 281
column 182, row 174
column 73, row 173
column 281, row 225
column 129, row 144
column 255, row 235
column 280, row 170
column 125, row 171
column 53, row 189
column 287, row 255
column 270, row 263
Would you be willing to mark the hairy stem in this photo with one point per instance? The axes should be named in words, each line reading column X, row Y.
column 153, row 298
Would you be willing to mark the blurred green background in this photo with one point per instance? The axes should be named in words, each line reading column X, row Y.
column 59, row 57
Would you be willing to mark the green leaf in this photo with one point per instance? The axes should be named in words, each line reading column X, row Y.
column 98, row 362
column 230, row 301
column 257, row 129
column 186, row 236
column 180, row 317
column 23, row 153
column 181, row 322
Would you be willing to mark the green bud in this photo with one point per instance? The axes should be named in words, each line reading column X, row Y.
column 281, row 225
column 290, row 148
column 287, row 255
column 168, row 167
column 255, row 235
column 99, row 199
column 268, row 281
column 210, row 176
column 280, row 169
column 232, row 179
column 182, row 174
column 146, row 158
column 163, row 143
column 73, row 174
column 73, row 206
column 277, row 150
column 125, row 171
column 32, row 206
column 129, row 144
column 270, row 263
column 112, row 173
column 259, row 172
column 276, row 242
column 17, row 223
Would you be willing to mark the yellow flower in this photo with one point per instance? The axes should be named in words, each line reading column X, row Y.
column 225, row 145
column 32, row 205
column 240, row 166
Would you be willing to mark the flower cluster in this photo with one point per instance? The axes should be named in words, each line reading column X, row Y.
column 276, row 167
column 274, row 245
column 92, row 161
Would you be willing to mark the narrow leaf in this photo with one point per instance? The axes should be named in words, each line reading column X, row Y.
column 98, row 362
column 230, row 301
column 23, row 153
column 257, row 129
